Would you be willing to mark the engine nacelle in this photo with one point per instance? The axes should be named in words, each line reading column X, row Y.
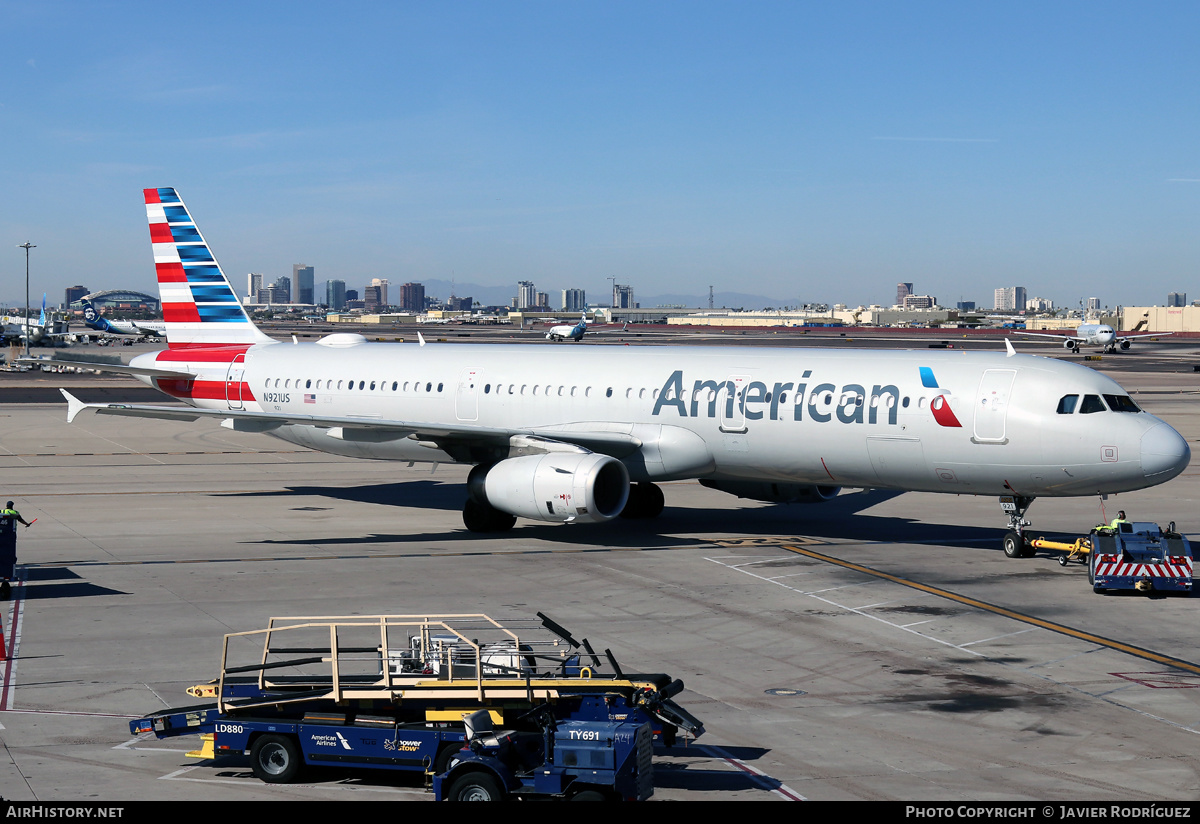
column 1125, row 345
column 557, row 486
column 775, row 493
column 1070, row 345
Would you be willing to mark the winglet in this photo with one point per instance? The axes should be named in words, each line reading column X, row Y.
column 420, row 338
column 1008, row 345
column 74, row 405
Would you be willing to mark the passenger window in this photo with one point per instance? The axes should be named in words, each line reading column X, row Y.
column 393, row 386
column 1066, row 404
column 1092, row 403
column 429, row 387
column 1121, row 403
column 608, row 393
column 439, row 387
column 372, row 386
column 308, row 384
column 487, row 388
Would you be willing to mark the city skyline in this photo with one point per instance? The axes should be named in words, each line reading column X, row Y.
column 820, row 153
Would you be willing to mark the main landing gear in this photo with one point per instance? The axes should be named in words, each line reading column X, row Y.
column 645, row 501
column 1015, row 545
column 481, row 517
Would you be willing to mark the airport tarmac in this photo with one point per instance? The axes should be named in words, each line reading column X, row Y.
column 819, row 668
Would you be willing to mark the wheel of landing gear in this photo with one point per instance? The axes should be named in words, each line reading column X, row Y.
column 645, row 501
column 479, row 517
column 1014, row 545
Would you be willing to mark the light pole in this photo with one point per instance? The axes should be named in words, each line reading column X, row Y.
column 28, row 331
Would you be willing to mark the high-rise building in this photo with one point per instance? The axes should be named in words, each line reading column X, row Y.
column 1177, row 299
column 284, row 285
column 254, row 282
column 574, row 300
column 526, row 295
column 1010, row 299
column 335, row 294
column 412, row 297
column 302, row 277
column 73, row 294
column 372, row 298
column 1039, row 305
column 903, row 290
column 1093, row 304
column 966, row 306
column 382, row 285
column 460, row 304
column 623, row 297
column 919, row 301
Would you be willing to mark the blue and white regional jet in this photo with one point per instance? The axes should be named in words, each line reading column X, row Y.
column 143, row 328
column 584, row 436
column 567, row 332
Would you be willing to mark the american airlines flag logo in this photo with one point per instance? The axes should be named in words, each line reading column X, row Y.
column 310, row 398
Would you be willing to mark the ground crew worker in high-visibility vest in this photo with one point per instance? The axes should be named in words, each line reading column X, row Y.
column 8, row 544
column 1115, row 523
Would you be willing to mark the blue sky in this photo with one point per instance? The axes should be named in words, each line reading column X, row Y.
column 807, row 151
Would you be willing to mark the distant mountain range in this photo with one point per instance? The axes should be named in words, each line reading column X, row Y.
column 501, row 295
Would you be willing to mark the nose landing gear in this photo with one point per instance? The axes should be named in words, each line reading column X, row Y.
column 1015, row 545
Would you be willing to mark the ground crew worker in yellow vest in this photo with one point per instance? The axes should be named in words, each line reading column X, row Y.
column 8, row 545
column 1117, row 521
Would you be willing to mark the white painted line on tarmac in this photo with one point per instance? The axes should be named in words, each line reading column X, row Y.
column 765, row 781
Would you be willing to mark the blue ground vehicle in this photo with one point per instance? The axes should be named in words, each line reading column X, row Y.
column 576, row 760
column 1140, row 556
column 391, row 692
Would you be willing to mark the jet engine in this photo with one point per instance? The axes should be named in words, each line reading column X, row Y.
column 775, row 493
column 1125, row 346
column 1071, row 345
column 582, row 488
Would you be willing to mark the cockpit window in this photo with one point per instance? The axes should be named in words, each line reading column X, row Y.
column 1121, row 403
column 1066, row 404
column 1092, row 403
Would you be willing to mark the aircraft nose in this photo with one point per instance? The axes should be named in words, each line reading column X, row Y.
column 1164, row 451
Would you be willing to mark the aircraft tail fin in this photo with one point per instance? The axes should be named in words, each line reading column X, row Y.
column 92, row 319
column 42, row 317
column 198, row 302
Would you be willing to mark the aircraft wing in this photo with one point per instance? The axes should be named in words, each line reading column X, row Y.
column 1147, row 335
column 1049, row 335
column 377, row 430
column 119, row 368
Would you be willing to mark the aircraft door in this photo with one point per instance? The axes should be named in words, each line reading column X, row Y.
column 466, row 397
column 234, row 382
column 732, row 403
column 991, row 405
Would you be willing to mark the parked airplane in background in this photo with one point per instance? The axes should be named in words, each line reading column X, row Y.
column 1095, row 334
column 582, row 436
column 43, row 331
column 144, row 328
column 568, row 332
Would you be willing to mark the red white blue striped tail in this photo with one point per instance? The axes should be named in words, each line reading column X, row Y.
column 199, row 305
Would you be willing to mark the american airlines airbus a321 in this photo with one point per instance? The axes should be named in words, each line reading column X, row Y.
column 582, row 435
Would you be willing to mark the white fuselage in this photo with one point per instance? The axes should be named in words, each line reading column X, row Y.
column 958, row 422
column 1096, row 334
